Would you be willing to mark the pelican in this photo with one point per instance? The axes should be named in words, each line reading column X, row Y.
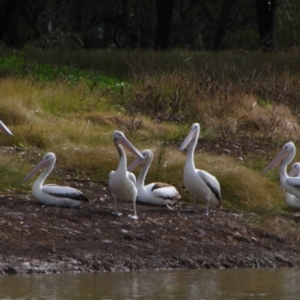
column 292, row 201
column 4, row 128
column 51, row 194
column 283, row 158
column 199, row 183
column 121, row 182
column 157, row 193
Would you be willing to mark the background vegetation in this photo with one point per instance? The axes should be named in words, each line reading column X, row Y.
column 247, row 105
column 151, row 24
column 72, row 72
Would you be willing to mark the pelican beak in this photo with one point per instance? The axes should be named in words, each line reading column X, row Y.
column 277, row 160
column 189, row 137
column 40, row 165
column 4, row 128
column 293, row 172
column 135, row 164
column 125, row 142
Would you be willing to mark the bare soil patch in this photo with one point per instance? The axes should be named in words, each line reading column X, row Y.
column 38, row 239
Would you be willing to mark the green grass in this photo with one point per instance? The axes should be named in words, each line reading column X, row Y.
column 70, row 103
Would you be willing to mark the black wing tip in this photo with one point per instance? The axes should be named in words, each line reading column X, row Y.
column 82, row 197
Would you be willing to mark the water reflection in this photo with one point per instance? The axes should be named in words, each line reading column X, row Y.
column 173, row 285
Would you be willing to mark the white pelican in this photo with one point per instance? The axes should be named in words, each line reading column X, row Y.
column 4, row 128
column 199, row 183
column 284, row 157
column 51, row 194
column 157, row 193
column 292, row 201
column 121, row 182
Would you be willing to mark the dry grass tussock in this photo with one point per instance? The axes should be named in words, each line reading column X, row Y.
column 241, row 187
column 223, row 108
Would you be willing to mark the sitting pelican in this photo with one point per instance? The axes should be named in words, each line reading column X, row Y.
column 121, row 182
column 157, row 193
column 199, row 183
column 51, row 194
column 283, row 158
column 292, row 201
column 4, row 128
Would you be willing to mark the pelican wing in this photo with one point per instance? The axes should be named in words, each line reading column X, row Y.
column 64, row 192
column 212, row 182
column 165, row 191
column 132, row 177
column 293, row 181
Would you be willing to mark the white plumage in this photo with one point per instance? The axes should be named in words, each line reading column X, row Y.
column 121, row 182
column 291, row 200
column 283, row 158
column 156, row 193
column 201, row 184
column 51, row 194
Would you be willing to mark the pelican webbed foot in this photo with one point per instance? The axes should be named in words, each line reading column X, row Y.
column 134, row 217
column 116, row 213
column 191, row 210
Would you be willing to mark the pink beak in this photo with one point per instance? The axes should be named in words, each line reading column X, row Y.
column 192, row 134
column 277, row 160
column 4, row 128
column 43, row 163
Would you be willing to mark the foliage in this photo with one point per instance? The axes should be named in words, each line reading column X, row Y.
column 45, row 73
column 56, row 24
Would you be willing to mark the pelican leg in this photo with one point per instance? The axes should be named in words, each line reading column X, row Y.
column 169, row 207
column 115, row 212
column 135, row 216
column 194, row 208
column 207, row 209
column 195, row 205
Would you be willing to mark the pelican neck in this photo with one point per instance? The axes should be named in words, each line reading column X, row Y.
column 144, row 171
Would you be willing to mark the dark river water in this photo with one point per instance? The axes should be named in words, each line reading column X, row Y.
column 199, row 284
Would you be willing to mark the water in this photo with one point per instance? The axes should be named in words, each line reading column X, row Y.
column 168, row 285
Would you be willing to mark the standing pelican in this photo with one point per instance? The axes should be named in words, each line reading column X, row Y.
column 283, row 158
column 4, row 128
column 122, row 182
column 292, row 201
column 157, row 193
column 199, row 183
column 51, row 194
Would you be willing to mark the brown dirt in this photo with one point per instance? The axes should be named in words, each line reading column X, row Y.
column 39, row 239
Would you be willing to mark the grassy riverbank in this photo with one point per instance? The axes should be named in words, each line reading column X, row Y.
column 70, row 103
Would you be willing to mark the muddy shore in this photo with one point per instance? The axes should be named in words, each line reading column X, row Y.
column 35, row 239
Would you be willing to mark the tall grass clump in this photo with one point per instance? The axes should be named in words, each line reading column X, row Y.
column 241, row 187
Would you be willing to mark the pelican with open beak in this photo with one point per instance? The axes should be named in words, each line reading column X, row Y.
column 156, row 193
column 121, row 182
column 283, row 158
column 51, row 194
column 199, row 183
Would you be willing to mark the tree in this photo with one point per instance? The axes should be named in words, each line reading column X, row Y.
column 164, row 11
column 265, row 16
column 221, row 26
column 19, row 20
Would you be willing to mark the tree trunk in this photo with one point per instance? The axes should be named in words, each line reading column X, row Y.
column 265, row 16
column 221, row 27
column 164, row 11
